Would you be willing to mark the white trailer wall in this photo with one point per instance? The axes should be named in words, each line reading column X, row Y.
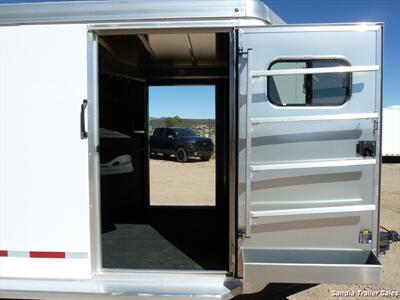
column 44, row 195
column 391, row 131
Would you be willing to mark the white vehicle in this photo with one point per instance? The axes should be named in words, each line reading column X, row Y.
column 298, row 125
column 391, row 136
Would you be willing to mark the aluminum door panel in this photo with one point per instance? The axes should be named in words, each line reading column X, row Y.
column 302, row 184
column 313, row 187
column 296, row 141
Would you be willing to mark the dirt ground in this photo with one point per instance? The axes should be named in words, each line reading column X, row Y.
column 191, row 183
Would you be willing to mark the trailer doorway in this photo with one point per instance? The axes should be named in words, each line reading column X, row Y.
column 182, row 140
column 137, row 234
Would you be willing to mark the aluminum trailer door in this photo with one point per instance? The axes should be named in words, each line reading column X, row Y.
column 309, row 115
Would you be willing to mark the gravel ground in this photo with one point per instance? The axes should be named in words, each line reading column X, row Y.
column 191, row 183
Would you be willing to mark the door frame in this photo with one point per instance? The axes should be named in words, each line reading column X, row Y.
column 94, row 159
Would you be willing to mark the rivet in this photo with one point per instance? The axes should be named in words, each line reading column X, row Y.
column 236, row 9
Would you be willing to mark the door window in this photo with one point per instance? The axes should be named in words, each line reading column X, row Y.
column 309, row 89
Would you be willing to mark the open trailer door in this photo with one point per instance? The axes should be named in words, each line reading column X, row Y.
column 310, row 102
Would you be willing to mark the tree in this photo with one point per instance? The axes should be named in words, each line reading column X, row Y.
column 173, row 121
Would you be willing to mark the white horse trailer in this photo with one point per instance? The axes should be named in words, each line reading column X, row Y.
column 298, row 163
column 391, row 133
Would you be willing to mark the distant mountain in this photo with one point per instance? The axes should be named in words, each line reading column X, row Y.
column 159, row 122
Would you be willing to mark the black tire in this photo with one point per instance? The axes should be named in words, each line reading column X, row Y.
column 180, row 155
column 205, row 158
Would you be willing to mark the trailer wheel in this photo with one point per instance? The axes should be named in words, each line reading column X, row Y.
column 181, row 155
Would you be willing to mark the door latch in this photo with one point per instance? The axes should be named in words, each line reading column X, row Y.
column 366, row 148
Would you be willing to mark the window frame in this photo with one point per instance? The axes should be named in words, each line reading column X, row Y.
column 308, row 81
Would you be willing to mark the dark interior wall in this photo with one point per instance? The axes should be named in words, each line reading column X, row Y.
column 123, row 108
column 126, row 99
column 202, row 233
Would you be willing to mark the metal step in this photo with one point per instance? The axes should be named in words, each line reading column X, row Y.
column 146, row 285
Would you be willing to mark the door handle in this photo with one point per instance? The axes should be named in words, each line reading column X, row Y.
column 84, row 133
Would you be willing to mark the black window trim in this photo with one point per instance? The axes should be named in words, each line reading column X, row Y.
column 308, row 81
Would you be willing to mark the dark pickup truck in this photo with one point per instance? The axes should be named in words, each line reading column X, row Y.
column 181, row 142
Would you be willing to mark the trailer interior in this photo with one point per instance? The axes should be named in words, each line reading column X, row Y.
column 136, row 234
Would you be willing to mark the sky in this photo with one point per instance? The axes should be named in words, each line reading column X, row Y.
column 188, row 102
column 174, row 100
column 170, row 101
column 344, row 11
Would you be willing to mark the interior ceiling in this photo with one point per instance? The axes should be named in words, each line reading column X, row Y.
column 169, row 48
column 166, row 55
column 184, row 47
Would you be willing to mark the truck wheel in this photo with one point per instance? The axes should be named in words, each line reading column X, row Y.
column 181, row 155
column 205, row 158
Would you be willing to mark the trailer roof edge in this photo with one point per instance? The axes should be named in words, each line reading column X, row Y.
column 22, row 12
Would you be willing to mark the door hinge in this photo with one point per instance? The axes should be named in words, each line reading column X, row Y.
column 241, row 233
column 376, row 126
column 242, row 51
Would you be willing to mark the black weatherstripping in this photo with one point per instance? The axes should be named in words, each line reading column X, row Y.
column 135, row 233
